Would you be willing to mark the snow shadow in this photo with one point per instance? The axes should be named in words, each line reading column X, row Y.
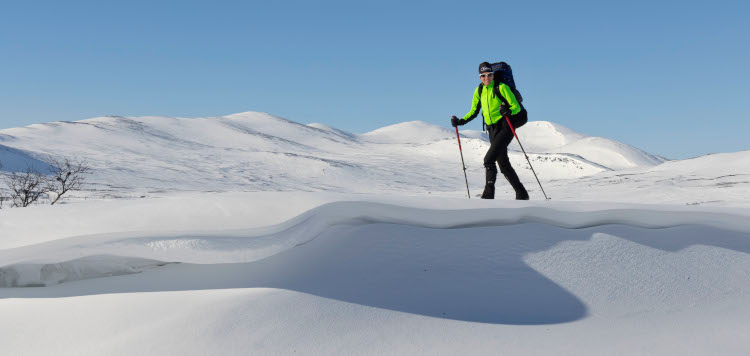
column 15, row 160
column 473, row 273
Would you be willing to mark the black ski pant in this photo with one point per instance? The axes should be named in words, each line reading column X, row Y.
column 500, row 136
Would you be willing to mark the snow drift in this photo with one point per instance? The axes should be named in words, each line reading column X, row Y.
column 546, row 276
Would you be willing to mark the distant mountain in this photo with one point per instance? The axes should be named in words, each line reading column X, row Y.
column 341, row 133
column 544, row 136
column 258, row 151
column 721, row 164
column 539, row 137
column 409, row 132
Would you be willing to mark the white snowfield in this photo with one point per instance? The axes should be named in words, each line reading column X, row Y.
column 373, row 248
column 260, row 152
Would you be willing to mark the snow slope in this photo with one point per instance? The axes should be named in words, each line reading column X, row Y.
column 253, row 234
column 381, row 275
column 14, row 160
column 551, row 137
column 144, row 156
column 412, row 132
column 718, row 179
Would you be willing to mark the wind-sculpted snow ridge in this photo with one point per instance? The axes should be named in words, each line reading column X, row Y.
column 45, row 274
column 61, row 260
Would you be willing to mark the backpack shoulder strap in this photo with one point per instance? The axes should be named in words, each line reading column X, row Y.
column 479, row 91
column 496, row 90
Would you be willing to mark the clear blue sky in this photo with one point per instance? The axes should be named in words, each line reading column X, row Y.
column 669, row 77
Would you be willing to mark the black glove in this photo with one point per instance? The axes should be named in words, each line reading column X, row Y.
column 504, row 110
column 456, row 121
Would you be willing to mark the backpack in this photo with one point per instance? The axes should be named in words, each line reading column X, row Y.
column 503, row 74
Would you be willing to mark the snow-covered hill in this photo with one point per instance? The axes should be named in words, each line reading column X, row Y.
column 543, row 136
column 412, row 132
column 261, row 152
column 259, row 235
column 15, row 160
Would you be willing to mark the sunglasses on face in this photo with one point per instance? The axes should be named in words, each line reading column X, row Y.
column 485, row 75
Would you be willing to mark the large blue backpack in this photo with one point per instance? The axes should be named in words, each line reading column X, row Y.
column 503, row 74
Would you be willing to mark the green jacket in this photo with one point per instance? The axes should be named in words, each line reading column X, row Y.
column 490, row 103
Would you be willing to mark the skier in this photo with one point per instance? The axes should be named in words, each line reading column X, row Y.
column 494, row 110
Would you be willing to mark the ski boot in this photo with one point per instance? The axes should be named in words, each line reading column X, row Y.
column 521, row 193
column 489, row 187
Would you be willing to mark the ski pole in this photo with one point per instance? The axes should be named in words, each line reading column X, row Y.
column 524, row 153
column 462, row 162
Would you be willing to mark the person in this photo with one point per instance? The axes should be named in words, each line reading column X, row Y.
column 487, row 98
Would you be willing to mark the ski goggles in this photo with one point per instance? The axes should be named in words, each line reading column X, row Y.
column 485, row 75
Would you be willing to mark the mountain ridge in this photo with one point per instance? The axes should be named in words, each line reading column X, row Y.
column 259, row 152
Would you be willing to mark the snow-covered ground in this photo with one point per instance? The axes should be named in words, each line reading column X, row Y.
column 147, row 156
column 252, row 234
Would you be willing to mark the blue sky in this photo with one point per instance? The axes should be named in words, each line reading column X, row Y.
column 668, row 77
